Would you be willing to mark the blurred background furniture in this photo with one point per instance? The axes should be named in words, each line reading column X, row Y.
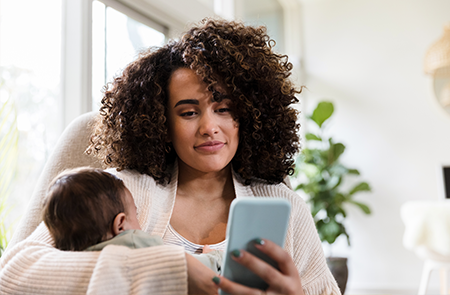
column 427, row 233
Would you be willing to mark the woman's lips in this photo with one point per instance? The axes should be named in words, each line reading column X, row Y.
column 210, row 146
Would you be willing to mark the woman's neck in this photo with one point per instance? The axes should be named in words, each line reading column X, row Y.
column 205, row 186
column 202, row 204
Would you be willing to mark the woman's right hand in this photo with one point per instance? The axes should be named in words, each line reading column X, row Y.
column 283, row 281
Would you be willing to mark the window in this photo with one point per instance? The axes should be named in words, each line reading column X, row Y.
column 269, row 13
column 116, row 41
column 47, row 57
column 30, row 120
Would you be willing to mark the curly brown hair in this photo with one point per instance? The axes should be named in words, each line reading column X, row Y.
column 132, row 130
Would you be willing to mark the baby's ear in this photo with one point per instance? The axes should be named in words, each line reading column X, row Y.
column 118, row 224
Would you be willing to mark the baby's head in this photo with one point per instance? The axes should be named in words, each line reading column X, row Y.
column 86, row 206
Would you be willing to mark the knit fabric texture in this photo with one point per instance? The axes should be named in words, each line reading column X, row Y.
column 33, row 266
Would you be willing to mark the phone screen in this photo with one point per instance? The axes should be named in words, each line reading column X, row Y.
column 252, row 218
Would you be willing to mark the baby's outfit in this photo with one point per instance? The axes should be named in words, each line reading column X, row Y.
column 136, row 239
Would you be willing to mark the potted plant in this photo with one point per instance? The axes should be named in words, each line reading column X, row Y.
column 320, row 174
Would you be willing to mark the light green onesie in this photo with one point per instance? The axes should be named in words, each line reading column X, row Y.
column 136, row 239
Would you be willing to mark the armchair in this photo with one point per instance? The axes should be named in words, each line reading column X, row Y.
column 68, row 153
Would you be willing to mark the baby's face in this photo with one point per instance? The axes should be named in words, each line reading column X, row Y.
column 131, row 221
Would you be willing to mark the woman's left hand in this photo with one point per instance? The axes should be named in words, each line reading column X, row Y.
column 283, row 281
column 198, row 274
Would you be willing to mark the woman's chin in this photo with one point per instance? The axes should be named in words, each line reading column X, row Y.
column 208, row 167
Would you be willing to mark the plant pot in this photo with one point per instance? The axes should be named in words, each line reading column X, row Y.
column 338, row 267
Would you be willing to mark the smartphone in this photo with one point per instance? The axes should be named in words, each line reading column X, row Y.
column 252, row 218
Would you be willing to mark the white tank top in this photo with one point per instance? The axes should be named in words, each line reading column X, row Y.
column 171, row 237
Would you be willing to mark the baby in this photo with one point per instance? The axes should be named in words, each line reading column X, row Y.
column 87, row 209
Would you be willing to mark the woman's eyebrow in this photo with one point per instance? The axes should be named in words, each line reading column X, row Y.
column 187, row 101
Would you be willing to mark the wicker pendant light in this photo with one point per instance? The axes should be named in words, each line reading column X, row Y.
column 437, row 58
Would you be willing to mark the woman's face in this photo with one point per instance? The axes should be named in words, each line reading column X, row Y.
column 202, row 131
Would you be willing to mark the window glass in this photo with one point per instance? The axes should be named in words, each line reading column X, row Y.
column 268, row 13
column 117, row 40
column 30, row 120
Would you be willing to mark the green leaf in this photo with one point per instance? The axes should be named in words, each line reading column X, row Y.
column 299, row 187
column 363, row 207
column 310, row 136
column 337, row 184
column 329, row 231
column 353, row 171
column 338, row 169
column 335, row 151
column 339, row 199
column 339, row 149
column 362, row 186
column 333, row 182
column 323, row 111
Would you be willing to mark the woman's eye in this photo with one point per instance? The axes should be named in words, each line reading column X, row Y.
column 224, row 110
column 187, row 114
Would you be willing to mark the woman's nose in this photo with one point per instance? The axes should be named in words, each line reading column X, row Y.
column 208, row 124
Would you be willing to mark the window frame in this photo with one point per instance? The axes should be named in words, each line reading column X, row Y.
column 168, row 17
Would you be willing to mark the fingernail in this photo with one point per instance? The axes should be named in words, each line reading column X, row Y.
column 236, row 253
column 259, row 241
column 216, row 280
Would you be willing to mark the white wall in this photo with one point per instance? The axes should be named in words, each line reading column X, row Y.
column 366, row 56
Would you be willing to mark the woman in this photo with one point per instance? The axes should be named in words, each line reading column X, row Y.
column 190, row 127
column 209, row 118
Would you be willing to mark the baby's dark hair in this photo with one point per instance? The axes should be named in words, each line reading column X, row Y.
column 80, row 207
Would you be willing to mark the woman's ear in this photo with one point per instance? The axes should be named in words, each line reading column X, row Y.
column 119, row 223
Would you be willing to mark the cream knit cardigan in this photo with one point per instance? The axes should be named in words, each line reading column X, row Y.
column 33, row 266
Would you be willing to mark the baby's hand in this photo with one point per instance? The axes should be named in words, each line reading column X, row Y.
column 207, row 249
